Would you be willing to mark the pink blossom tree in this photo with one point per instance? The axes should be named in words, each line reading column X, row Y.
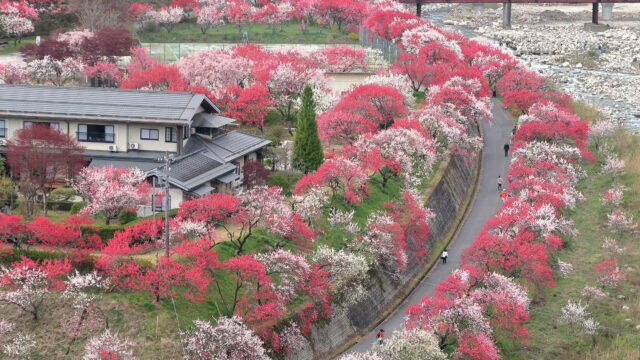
column 167, row 16
column 208, row 17
column 340, row 58
column 108, row 190
column 13, row 73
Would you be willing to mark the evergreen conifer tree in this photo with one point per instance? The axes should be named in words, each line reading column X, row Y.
column 307, row 149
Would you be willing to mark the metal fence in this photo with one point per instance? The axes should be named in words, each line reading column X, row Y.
column 389, row 50
column 174, row 51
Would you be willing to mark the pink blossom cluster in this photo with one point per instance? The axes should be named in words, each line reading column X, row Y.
column 612, row 197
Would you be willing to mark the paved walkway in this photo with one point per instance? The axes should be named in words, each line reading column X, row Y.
column 486, row 203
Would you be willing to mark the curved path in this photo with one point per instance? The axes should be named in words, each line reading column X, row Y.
column 484, row 205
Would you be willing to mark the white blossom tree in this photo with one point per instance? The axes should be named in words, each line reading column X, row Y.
column 411, row 344
column 347, row 272
column 229, row 339
column 56, row 72
column 108, row 345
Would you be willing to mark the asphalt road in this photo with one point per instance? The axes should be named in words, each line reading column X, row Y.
column 485, row 204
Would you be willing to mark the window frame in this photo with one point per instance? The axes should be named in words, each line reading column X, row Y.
column 3, row 128
column 150, row 130
column 86, row 132
column 52, row 124
column 173, row 131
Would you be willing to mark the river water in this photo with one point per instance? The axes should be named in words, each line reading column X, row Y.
column 627, row 114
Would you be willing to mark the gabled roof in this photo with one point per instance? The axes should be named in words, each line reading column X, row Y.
column 101, row 104
column 191, row 171
column 228, row 146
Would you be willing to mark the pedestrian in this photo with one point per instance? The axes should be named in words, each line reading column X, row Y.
column 503, row 195
column 506, row 149
column 499, row 182
column 380, row 336
column 444, row 256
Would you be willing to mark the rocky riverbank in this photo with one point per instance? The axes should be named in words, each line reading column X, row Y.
column 602, row 68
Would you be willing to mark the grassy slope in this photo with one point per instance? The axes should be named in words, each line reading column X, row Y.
column 11, row 48
column 286, row 33
column 154, row 327
column 619, row 338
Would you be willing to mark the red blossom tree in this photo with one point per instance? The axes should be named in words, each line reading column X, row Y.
column 519, row 79
column 41, row 156
column 254, row 173
column 248, row 105
column 380, row 104
column 432, row 61
column 343, row 127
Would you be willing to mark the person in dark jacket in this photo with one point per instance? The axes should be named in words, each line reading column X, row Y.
column 506, row 149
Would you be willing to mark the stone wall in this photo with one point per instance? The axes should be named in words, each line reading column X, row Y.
column 446, row 199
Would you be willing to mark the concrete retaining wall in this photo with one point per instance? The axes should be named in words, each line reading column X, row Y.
column 448, row 200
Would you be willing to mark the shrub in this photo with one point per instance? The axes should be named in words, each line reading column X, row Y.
column 281, row 181
column 8, row 194
column 126, row 217
column 104, row 231
column 62, row 194
column 76, row 207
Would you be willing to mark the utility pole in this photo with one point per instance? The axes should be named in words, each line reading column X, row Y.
column 168, row 159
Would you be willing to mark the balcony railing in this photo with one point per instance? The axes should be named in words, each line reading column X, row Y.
column 96, row 137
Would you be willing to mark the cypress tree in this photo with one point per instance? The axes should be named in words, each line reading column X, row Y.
column 307, row 149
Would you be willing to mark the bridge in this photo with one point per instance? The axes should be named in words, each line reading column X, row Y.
column 506, row 9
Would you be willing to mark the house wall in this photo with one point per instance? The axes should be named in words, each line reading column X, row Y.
column 124, row 134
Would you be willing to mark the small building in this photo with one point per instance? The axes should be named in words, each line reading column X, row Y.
column 136, row 128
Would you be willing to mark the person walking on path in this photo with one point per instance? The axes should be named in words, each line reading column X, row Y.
column 380, row 336
column 444, row 256
column 506, row 149
column 499, row 182
column 503, row 195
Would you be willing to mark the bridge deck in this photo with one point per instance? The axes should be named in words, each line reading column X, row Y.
column 517, row 1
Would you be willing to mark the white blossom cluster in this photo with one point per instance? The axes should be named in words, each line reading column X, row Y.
column 576, row 314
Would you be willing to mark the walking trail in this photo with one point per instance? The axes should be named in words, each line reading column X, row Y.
column 486, row 203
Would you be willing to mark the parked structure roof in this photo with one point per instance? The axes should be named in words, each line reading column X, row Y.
column 101, row 103
column 208, row 120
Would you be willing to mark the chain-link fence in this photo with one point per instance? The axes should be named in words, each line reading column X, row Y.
column 389, row 50
column 174, row 51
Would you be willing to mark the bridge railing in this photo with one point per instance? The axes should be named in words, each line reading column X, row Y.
column 389, row 50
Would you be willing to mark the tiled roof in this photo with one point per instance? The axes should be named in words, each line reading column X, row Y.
column 191, row 166
column 228, row 146
column 100, row 103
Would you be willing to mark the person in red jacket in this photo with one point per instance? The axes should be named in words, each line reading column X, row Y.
column 380, row 336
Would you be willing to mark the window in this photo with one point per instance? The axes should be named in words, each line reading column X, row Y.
column 170, row 134
column 3, row 128
column 53, row 125
column 95, row 133
column 149, row 134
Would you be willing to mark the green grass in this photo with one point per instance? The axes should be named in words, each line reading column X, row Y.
column 285, row 33
column 618, row 339
column 14, row 48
